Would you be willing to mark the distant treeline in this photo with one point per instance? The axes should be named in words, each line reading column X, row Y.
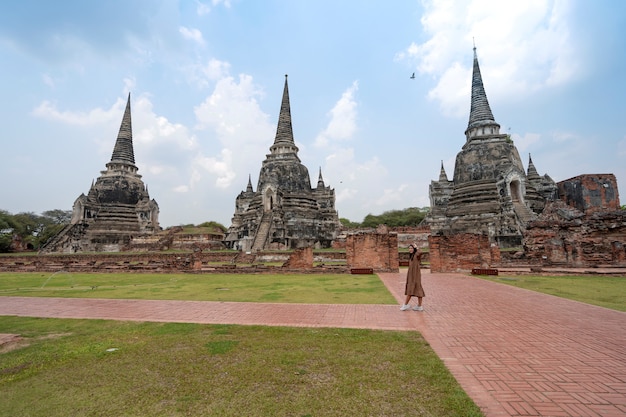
column 408, row 217
column 30, row 230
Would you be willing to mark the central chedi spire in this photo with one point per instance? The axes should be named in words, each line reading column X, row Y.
column 285, row 212
column 123, row 152
column 490, row 192
column 117, row 207
column 284, row 131
column 480, row 112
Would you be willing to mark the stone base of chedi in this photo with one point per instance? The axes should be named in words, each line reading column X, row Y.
column 116, row 209
column 492, row 205
column 284, row 212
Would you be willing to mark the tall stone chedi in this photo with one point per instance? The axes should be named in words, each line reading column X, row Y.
column 285, row 212
column 117, row 207
column 490, row 193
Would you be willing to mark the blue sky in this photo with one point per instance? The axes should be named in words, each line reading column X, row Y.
column 206, row 79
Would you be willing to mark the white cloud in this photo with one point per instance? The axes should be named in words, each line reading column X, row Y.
column 355, row 182
column 522, row 143
column 560, row 136
column 522, row 47
column 451, row 91
column 221, row 167
column 393, row 197
column 216, row 69
column 49, row 81
column 343, row 116
column 192, row 34
column 202, row 9
column 47, row 110
column 226, row 3
column 150, row 129
column 181, row 189
column 241, row 127
column 203, row 75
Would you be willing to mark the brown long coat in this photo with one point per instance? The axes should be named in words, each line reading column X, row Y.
column 414, row 278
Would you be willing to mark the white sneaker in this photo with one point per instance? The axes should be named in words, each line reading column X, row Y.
column 418, row 308
column 405, row 307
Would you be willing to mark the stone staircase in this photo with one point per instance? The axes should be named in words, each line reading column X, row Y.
column 262, row 232
column 523, row 213
column 57, row 241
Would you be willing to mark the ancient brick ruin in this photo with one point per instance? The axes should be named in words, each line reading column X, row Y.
column 462, row 252
column 377, row 250
column 284, row 212
column 566, row 236
column 117, row 208
column 491, row 214
column 490, row 192
column 591, row 193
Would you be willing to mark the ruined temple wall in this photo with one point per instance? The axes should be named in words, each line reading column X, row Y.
column 376, row 250
column 597, row 240
column 148, row 262
column 300, row 259
column 590, row 193
column 462, row 252
column 407, row 235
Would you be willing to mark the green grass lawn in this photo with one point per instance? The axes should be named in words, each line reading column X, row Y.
column 600, row 290
column 112, row 368
column 281, row 288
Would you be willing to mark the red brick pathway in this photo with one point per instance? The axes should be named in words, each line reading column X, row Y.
column 515, row 352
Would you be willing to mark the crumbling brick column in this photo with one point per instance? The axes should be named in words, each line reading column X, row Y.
column 301, row 258
column 376, row 250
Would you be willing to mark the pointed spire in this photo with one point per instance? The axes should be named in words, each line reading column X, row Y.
column 320, row 180
column 284, row 132
column 443, row 177
column 480, row 112
column 532, row 171
column 249, row 187
column 123, row 150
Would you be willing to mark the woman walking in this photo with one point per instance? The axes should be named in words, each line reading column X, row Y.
column 414, row 280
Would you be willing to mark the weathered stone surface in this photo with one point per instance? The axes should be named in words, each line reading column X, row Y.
column 116, row 209
column 490, row 193
column 285, row 212
column 565, row 236
column 591, row 193
column 491, row 203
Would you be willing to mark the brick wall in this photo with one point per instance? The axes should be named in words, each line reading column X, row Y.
column 563, row 236
column 118, row 262
column 377, row 250
column 300, row 259
column 462, row 252
column 591, row 193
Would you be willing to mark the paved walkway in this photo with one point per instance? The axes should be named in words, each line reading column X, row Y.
column 515, row 352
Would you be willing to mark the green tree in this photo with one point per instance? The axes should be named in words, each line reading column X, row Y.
column 58, row 216
column 213, row 225
column 31, row 228
column 349, row 224
column 6, row 230
column 397, row 218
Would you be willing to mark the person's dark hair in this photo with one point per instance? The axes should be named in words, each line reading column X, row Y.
column 412, row 254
